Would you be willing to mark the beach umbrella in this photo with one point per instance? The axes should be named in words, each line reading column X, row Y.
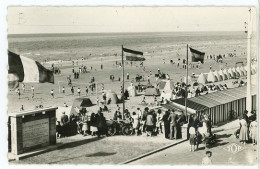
column 211, row 77
column 202, row 79
column 217, row 75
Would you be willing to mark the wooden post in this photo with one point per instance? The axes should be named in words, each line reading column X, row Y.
column 186, row 94
column 123, row 86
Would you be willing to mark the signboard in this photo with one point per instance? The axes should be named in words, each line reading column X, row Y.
column 35, row 132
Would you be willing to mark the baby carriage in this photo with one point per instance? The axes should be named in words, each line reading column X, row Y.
column 236, row 133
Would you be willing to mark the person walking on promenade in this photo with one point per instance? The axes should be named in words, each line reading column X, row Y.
column 84, row 119
column 149, row 123
column 173, row 125
column 166, row 123
column 192, row 137
column 243, row 135
column 101, row 124
column 86, row 90
column 93, row 124
column 159, row 121
column 136, row 123
column 253, row 131
column 64, row 122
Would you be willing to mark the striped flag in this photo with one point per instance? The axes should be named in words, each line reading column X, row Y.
column 28, row 70
column 132, row 51
column 197, row 55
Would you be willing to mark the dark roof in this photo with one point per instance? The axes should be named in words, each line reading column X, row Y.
column 191, row 104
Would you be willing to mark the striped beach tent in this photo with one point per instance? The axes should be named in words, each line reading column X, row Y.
column 235, row 72
column 202, row 79
column 217, row 75
column 211, row 77
column 231, row 73
column 189, row 80
column 221, row 75
column 28, row 70
column 243, row 71
column 227, row 75
column 239, row 71
column 13, row 81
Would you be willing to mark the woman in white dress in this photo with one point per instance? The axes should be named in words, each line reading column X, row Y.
column 243, row 135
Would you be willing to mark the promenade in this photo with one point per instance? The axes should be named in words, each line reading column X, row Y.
column 181, row 155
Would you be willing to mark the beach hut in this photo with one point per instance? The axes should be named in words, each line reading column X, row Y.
column 226, row 74
column 217, row 76
column 131, row 91
column 152, row 92
column 211, row 77
column 112, row 96
column 202, row 79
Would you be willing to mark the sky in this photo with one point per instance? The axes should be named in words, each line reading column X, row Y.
column 24, row 20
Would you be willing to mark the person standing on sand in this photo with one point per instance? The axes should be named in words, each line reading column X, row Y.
column 78, row 91
column 86, row 89
column 22, row 109
column 23, row 86
column 18, row 93
column 52, row 93
column 63, row 90
column 72, row 90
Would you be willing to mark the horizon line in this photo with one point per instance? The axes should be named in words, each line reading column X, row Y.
column 121, row 32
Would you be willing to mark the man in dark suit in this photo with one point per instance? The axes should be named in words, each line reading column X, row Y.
column 64, row 123
column 166, row 124
column 173, row 125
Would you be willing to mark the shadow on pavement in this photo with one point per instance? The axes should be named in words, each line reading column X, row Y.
column 224, row 136
column 78, row 143
column 100, row 154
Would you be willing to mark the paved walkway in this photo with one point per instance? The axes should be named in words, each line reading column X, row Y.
column 181, row 155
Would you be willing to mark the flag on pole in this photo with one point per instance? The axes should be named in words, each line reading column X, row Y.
column 197, row 55
column 28, row 70
column 132, row 51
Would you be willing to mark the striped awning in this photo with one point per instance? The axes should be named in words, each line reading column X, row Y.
column 210, row 100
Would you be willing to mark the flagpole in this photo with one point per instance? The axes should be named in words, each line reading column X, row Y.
column 248, row 95
column 123, row 86
column 186, row 82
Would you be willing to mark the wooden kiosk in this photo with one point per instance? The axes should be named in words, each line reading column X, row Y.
column 31, row 130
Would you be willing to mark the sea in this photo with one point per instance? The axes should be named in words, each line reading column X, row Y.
column 76, row 45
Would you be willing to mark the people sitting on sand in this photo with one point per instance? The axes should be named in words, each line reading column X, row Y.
column 143, row 101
